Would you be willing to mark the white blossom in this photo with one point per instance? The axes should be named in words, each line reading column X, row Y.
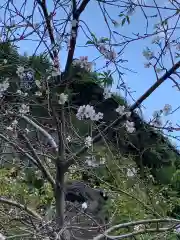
column 10, row 128
column 148, row 54
column 156, row 39
column 69, row 138
column 91, row 161
column 14, row 123
column 88, row 141
column 24, row 109
column 20, row 71
column 139, row 227
column 2, row 237
column 121, row 111
column 38, row 83
column 110, row 55
column 157, row 121
column 102, row 48
column 87, row 111
column 5, row 61
column 97, row 116
column 38, row 93
column 3, row 87
column 131, row 172
column 102, row 161
column 27, row 130
column 84, row 206
column 167, row 109
column 130, row 126
column 21, row 93
column 82, row 62
column 107, row 93
column 62, row 98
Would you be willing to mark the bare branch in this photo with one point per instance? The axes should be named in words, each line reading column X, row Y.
column 20, row 206
column 41, row 130
column 45, row 172
column 131, row 224
column 76, row 15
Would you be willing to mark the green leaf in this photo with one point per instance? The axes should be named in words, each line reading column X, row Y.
column 123, row 21
column 94, row 37
column 128, row 20
column 121, row 15
column 89, row 42
column 103, row 40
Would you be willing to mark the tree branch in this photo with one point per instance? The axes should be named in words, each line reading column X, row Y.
column 45, row 172
column 155, row 86
column 135, row 223
column 76, row 14
column 20, row 206
column 48, row 17
column 41, row 130
column 22, row 151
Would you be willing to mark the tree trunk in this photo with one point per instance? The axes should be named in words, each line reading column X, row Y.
column 59, row 195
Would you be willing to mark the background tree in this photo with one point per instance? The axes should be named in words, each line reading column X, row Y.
column 64, row 122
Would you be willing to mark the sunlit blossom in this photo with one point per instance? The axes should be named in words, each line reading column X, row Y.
column 87, row 111
column 24, row 109
column 88, row 141
column 62, row 98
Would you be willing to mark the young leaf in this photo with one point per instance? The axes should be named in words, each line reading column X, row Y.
column 123, row 21
column 94, row 37
column 121, row 15
column 89, row 42
column 128, row 20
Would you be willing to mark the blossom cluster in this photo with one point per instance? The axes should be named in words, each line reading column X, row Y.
column 157, row 115
column 19, row 92
column 82, row 62
column 88, row 112
column 130, row 126
column 4, row 86
column 107, row 93
column 88, row 142
column 139, row 227
column 148, row 54
column 131, row 172
column 92, row 162
column 62, row 98
column 24, row 109
column 109, row 54
column 2, row 237
column 13, row 125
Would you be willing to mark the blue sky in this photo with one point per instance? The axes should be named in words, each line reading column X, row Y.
column 139, row 81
